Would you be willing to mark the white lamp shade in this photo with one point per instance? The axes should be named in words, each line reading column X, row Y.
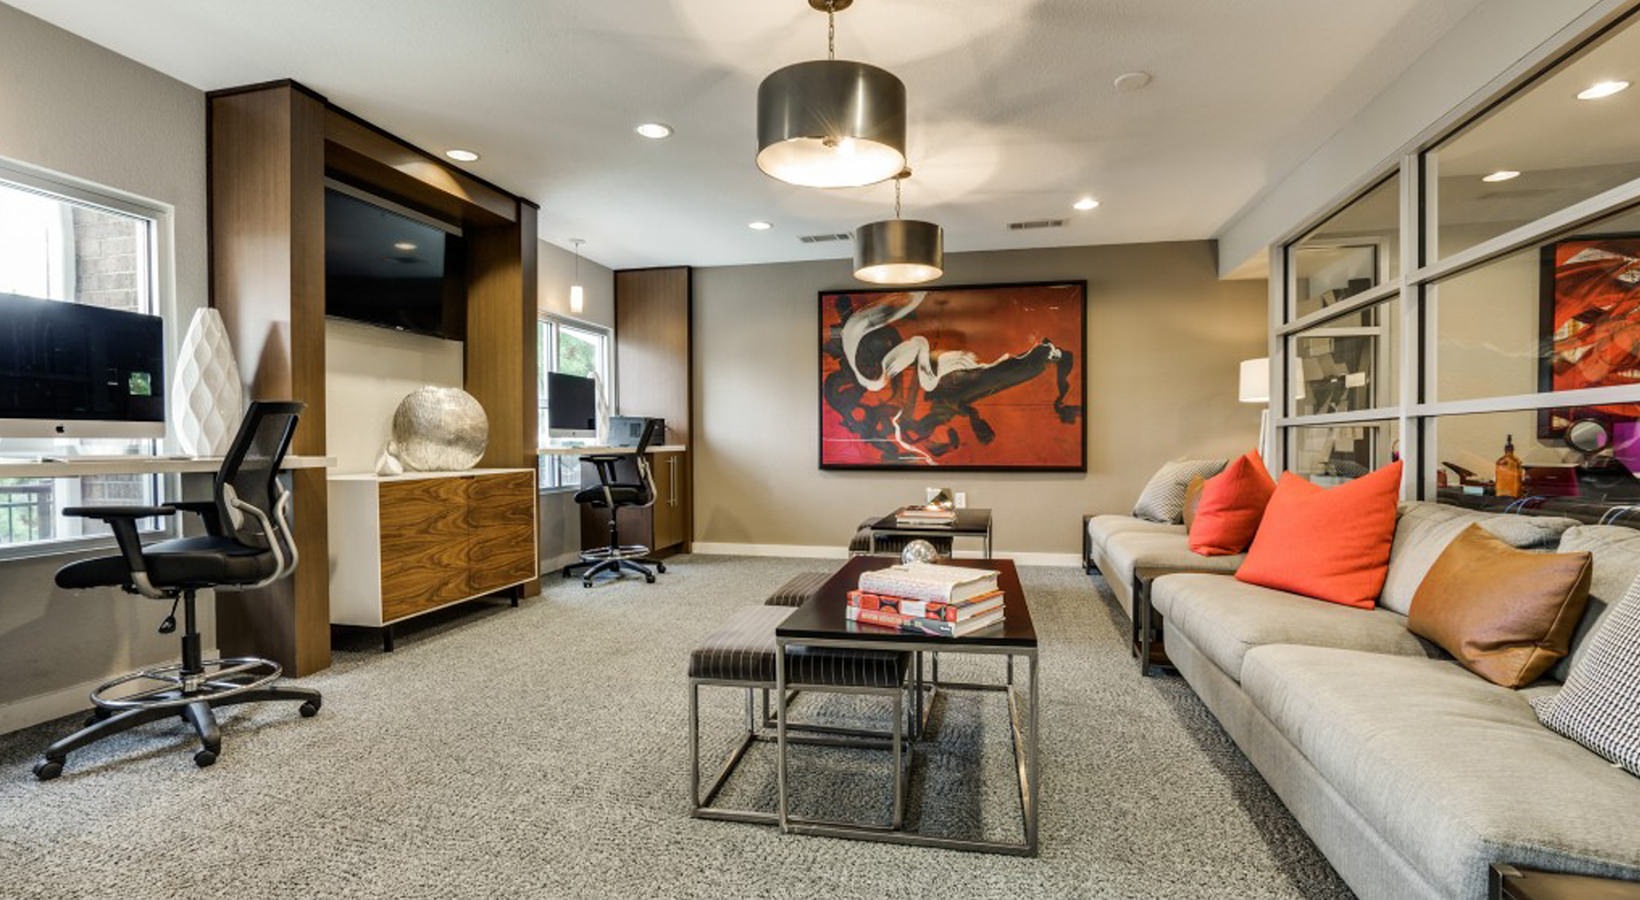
column 1255, row 380
column 577, row 299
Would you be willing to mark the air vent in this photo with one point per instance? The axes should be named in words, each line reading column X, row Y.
column 823, row 238
column 1038, row 223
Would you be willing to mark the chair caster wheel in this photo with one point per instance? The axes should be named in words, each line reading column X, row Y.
column 309, row 709
column 586, row 584
column 565, row 572
column 649, row 579
column 661, row 568
column 204, row 758
column 47, row 769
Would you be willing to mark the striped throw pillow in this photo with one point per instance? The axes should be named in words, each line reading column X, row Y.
column 1162, row 500
column 1599, row 706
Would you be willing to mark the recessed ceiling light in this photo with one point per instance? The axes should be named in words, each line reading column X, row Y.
column 1131, row 81
column 1085, row 204
column 406, row 246
column 1602, row 89
column 462, row 155
column 654, row 130
column 1501, row 175
column 760, row 225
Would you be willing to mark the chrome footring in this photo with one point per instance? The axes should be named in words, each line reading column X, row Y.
column 625, row 551
column 220, row 678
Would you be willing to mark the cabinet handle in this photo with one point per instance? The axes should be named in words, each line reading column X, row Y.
column 673, row 462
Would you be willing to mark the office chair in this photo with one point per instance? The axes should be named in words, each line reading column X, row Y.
column 614, row 496
column 247, row 544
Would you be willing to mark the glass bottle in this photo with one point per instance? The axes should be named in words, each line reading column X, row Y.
column 1507, row 481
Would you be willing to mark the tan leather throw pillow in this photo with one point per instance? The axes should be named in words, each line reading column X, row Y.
column 1506, row 614
column 1192, row 496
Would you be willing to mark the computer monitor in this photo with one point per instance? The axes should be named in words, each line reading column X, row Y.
column 572, row 406
column 71, row 370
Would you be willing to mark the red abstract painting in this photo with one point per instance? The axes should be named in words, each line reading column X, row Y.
column 1592, row 320
column 985, row 377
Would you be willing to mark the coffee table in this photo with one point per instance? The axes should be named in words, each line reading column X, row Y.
column 969, row 523
column 823, row 622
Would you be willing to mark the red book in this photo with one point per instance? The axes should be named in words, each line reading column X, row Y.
column 938, row 610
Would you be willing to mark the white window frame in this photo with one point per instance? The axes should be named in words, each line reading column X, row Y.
column 547, row 360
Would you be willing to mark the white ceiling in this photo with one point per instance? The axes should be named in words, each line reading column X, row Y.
column 1013, row 115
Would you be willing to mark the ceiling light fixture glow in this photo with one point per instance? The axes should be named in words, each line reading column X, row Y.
column 460, row 155
column 831, row 123
column 899, row 251
column 1602, row 89
column 654, row 130
column 1500, row 175
column 405, row 246
column 577, row 296
column 1085, row 204
column 760, row 225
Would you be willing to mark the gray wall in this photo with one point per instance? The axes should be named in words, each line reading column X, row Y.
column 74, row 108
column 1165, row 337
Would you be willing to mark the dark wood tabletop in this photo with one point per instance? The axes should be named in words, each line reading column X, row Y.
column 969, row 521
column 824, row 616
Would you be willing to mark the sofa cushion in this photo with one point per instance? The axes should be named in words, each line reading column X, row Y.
column 1616, row 564
column 1132, row 550
column 1330, row 544
column 1454, row 772
column 1101, row 528
column 1505, row 614
column 1424, row 529
column 1600, row 705
column 1226, row 618
column 1231, row 505
column 1162, row 500
column 1192, row 499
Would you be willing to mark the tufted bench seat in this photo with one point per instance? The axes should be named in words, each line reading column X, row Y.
column 798, row 589
column 741, row 654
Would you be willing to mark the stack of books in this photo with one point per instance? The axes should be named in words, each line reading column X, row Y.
column 924, row 517
column 922, row 598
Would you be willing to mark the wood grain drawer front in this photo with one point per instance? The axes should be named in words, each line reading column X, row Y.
column 501, row 514
column 424, row 545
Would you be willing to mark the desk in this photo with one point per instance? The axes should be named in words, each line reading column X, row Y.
column 71, row 467
column 664, row 526
column 608, row 451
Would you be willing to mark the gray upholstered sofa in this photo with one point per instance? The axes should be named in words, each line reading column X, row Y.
column 1411, row 774
column 1131, row 553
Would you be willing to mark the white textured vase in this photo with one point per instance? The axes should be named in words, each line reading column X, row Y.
column 207, row 395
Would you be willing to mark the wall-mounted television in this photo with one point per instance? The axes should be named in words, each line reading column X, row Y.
column 388, row 266
column 72, row 370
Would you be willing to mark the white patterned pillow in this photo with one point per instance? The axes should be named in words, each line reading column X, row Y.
column 1162, row 500
column 1599, row 706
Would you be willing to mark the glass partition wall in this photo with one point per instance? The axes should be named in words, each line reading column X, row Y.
column 1480, row 292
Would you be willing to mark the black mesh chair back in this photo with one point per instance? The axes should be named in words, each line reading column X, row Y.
column 646, row 480
column 250, row 475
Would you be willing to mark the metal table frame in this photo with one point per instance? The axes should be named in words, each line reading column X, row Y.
column 1025, row 736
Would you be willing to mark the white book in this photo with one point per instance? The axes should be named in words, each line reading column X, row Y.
column 924, row 581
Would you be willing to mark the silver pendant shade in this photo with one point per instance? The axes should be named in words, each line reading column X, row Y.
column 899, row 251
column 831, row 123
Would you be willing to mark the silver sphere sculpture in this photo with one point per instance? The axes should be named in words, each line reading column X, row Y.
column 918, row 551
column 439, row 429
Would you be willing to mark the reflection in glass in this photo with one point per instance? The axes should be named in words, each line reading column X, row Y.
column 1560, row 316
column 1578, row 462
column 1565, row 149
column 1357, row 249
column 1331, row 455
column 1346, row 365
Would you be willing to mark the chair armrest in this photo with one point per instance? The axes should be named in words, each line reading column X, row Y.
column 110, row 513
column 207, row 511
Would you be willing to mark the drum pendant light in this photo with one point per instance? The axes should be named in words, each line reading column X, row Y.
column 831, row 123
column 899, row 251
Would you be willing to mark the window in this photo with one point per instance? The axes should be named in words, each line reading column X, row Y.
column 573, row 348
column 59, row 243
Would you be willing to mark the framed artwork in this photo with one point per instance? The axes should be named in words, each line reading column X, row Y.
column 1589, row 323
column 977, row 378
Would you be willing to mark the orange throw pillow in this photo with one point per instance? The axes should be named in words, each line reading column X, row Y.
column 1231, row 505
column 1332, row 544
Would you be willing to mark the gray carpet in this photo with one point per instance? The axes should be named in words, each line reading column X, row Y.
column 541, row 752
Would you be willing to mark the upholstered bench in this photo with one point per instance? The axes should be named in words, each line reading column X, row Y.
column 741, row 654
column 798, row 589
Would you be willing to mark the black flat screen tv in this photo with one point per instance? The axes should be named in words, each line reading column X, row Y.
column 388, row 269
column 72, row 370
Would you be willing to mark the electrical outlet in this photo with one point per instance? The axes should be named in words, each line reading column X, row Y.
column 962, row 499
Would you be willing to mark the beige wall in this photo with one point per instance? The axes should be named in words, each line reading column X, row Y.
column 71, row 107
column 1165, row 337
column 368, row 370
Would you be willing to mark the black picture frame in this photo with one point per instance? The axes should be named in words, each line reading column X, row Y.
column 1552, row 421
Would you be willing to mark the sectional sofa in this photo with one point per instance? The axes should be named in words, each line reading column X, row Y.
column 1410, row 773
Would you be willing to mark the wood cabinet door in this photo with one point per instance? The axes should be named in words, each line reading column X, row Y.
column 501, row 516
column 669, row 500
column 424, row 544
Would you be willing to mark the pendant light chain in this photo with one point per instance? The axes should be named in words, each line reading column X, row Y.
column 831, row 29
column 897, row 196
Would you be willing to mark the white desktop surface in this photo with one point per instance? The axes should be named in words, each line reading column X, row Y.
column 608, row 451
column 134, row 464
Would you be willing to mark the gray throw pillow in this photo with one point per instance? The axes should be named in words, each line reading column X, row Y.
column 1162, row 500
column 1599, row 706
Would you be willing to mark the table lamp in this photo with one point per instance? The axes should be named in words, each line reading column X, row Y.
column 1255, row 388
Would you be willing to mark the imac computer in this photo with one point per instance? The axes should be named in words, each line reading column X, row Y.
column 572, row 406
column 68, row 370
